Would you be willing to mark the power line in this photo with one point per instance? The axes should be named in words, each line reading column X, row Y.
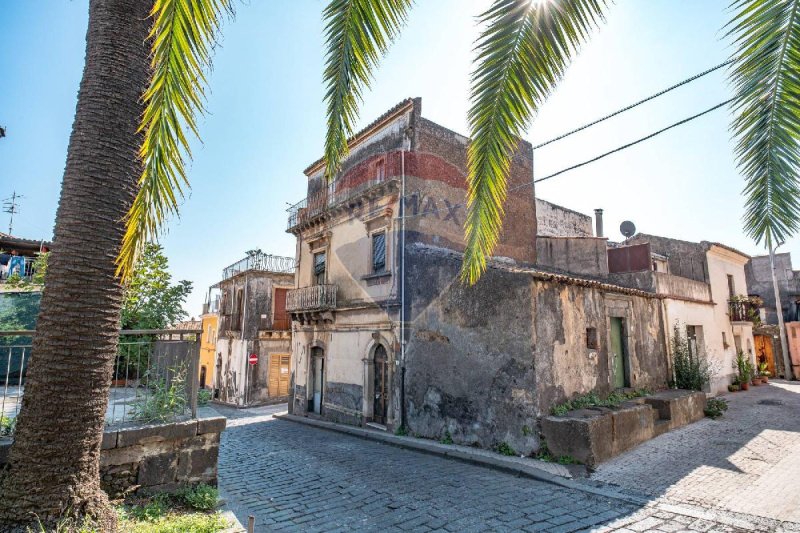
column 635, row 104
column 601, row 156
column 615, row 150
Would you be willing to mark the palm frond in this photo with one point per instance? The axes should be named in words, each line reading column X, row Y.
column 182, row 36
column 766, row 79
column 521, row 55
column 357, row 34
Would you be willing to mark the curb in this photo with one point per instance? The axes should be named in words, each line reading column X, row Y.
column 467, row 455
column 236, row 526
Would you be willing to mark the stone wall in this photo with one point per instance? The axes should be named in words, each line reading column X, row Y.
column 585, row 256
column 557, row 221
column 485, row 362
column 156, row 458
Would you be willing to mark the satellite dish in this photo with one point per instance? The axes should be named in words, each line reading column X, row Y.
column 627, row 229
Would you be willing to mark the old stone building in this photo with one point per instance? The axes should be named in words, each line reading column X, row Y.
column 384, row 332
column 253, row 343
column 703, row 289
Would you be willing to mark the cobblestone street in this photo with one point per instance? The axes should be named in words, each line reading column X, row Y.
column 748, row 461
column 292, row 477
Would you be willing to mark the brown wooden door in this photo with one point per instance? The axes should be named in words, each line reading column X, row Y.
column 381, row 385
column 280, row 319
column 764, row 352
column 278, row 375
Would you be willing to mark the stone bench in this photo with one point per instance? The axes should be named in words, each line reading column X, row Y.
column 597, row 434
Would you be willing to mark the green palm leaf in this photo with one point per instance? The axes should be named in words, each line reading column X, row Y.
column 766, row 78
column 521, row 56
column 357, row 34
column 182, row 36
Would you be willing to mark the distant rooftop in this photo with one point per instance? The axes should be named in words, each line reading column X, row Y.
column 258, row 260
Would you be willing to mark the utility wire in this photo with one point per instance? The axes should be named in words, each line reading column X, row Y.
column 601, row 156
column 615, row 150
column 635, row 104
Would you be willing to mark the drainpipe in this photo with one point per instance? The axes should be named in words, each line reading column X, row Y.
column 598, row 223
column 246, row 364
column 403, row 281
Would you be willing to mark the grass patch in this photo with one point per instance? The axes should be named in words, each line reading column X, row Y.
column 505, row 449
column 594, row 400
column 203, row 397
column 447, row 438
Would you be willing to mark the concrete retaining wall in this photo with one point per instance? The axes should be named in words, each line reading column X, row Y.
column 157, row 457
column 595, row 435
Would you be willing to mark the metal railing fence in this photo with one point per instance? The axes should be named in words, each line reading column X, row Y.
column 155, row 376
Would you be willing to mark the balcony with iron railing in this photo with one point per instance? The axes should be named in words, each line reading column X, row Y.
column 258, row 260
column 339, row 190
column 744, row 309
column 312, row 299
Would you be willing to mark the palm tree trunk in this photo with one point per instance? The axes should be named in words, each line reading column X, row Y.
column 54, row 461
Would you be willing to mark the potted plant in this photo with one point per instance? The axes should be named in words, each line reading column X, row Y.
column 764, row 372
column 755, row 378
column 733, row 387
column 742, row 366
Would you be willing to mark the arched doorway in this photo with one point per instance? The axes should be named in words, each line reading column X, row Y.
column 316, row 380
column 203, row 377
column 380, row 406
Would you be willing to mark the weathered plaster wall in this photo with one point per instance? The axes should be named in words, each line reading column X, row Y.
column 685, row 258
column 759, row 281
column 721, row 263
column 557, row 221
column 578, row 255
column 484, row 362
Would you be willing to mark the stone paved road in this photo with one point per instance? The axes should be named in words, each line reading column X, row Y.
column 293, row 477
column 748, row 461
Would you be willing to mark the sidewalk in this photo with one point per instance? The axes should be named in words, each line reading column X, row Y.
column 553, row 473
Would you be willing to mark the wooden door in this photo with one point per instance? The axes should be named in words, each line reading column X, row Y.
column 278, row 375
column 618, row 354
column 317, row 380
column 764, row 352
column 381, row 385
column 280, row 319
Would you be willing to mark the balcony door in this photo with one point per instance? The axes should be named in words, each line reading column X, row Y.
column 317, row 380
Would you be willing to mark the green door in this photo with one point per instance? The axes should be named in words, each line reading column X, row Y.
column 618, row 353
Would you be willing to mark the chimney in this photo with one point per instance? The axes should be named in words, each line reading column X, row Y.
column 598, row 222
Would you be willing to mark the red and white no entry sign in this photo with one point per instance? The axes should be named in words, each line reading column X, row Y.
column 253, row 359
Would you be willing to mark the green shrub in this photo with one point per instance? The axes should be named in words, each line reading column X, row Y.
column 202, row 497
column 401, row 431
column 691, row 373
column 203, row 397
column 447, row 438
column 505, row 449
column 593, row 400
column 715, row 407
column 7, row 424
column 164, row 401
column 568, row 460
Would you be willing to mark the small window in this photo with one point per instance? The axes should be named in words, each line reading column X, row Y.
column 731, row 286
column 591, row 338
column 319, row 268
column 724, row 341
column 379, row 252
column 380, row 170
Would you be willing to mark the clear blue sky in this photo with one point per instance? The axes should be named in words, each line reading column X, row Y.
column 266, row 120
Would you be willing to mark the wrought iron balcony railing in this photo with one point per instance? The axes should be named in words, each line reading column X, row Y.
column 742, row 310
column 258, row 260
column 339, row 190
column 314, row 298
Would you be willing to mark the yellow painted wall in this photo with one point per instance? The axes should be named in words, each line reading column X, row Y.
column 208, row 344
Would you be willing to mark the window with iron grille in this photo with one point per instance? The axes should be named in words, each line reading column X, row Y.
column 379, row 252
column 319, row 268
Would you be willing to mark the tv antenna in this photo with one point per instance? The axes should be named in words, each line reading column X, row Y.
column 628, row 229
column 11, row 206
